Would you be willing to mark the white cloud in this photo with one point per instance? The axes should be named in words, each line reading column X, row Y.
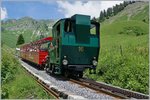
column 3, row 13
column 91, row 8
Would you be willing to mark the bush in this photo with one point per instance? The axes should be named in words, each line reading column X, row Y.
column 126, row 68
column 5, row 93
column 134, row 30
column 8, row 68
column 16, row 84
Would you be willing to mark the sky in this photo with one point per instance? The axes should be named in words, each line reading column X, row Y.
column 53, row 9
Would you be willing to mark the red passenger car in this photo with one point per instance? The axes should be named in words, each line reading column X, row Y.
column 36, row 52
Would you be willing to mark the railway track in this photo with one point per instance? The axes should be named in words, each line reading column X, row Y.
column 46, row 84
column 43, row 85
column 109, row 89
column 102, row 90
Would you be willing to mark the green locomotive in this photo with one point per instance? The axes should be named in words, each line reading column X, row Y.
column 75, row 46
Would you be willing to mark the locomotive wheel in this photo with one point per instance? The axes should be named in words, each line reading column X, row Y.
column 46, row 65
column 66, row 74
column 52, row 69
column 80, row 74
column 46, row 68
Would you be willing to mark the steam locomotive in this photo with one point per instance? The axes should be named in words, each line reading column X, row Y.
column 73, row 47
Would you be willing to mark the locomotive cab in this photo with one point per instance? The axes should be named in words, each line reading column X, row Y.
column 75, row 45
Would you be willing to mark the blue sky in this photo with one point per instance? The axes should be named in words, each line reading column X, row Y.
column 49, row 9
column 34, row 9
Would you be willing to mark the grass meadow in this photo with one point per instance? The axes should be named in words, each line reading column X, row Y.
column 124, row 55
column 16, row 83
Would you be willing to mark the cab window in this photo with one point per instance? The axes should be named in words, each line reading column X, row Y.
column 93, row 29
column 58, row 30
column 68, row 26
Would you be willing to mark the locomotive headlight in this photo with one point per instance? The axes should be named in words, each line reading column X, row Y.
column 94, row 62
column 65, row 62
column 65, row 57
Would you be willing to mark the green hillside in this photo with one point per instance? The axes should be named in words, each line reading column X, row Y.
column 136, row 11
column 124, row 53
column 30, row 28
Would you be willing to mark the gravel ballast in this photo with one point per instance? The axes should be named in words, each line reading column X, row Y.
column 74, row 91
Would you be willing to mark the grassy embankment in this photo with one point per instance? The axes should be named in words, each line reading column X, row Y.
column 123, row 59
column 16, row 83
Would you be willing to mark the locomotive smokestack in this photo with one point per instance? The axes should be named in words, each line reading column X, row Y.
column 82, row 28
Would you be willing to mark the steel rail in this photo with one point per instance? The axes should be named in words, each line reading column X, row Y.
column 115, row 90
column 97, row 89
column 43, row 85
column 100, row 87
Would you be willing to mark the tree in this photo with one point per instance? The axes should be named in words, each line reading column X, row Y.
column 130, row 2
column 125, row 3
column 109, row 12
column 101, row 18
column 121, row 7
column 114, row 10
column 105, row 14
column 94, row 19
column 133, row 1
column 20, row 40
column 117, row 8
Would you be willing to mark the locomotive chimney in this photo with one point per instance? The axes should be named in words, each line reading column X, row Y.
column 82, row 28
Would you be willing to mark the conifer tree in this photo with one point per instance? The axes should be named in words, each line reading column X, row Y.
column 125, row 3
column 94, row 19
column 101, row 18
column 20, row 40
column 105, row 14
column 109, row 12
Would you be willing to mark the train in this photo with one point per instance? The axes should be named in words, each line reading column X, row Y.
column 73, row 47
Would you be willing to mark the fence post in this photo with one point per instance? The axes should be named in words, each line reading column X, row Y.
column 121, row 51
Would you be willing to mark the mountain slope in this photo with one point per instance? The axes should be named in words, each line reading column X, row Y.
column 124, row 53
column 136, row 11
column 30, row 28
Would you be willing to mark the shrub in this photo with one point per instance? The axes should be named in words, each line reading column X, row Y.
column 8, row 68
column 126, row 68
column 134, row 30
column 5, row 93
